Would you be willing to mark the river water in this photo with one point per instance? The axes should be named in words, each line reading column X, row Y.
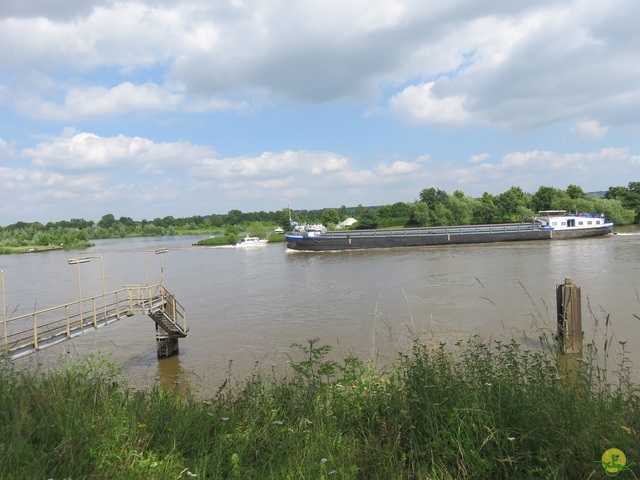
column 246, row 307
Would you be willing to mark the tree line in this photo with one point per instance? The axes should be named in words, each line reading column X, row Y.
column 433, row 207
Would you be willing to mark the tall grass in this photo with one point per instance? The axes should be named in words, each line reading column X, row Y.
column 474, row 409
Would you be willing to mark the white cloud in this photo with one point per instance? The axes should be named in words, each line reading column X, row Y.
column 124, row 35
column 589, row 129
column 398, row 167
column 324, row 96
column 419, row 104
column 479, row 158
column 90, row 152
column 511, row 65
column 530, row 170
column 19, row 178
column 98, row 101
column 5, row 149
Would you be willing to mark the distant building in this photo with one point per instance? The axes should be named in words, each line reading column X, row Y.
column 347, row 223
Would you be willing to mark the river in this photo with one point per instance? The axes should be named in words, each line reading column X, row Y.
column 246, row 307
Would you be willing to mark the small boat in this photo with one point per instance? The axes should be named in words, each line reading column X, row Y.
column 279, row 230
column 251, row 241
column 548, row 225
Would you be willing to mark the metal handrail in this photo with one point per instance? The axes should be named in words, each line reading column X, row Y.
column 32, row 331
column 424, row 231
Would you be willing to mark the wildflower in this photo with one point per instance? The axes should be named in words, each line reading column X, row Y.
column 191, row 474
column 487, row 384
column 324, row 460
column 141, row 425
column 277, row 422
column 206, row 402
column 224, row 419
column 511, row 439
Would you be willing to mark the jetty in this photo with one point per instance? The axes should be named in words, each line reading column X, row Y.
column 34, row 331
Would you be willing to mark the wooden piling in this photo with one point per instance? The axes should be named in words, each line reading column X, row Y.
column 569, row 332
column 569, row 317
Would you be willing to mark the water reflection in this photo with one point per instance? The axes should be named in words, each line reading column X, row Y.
column 170, row 373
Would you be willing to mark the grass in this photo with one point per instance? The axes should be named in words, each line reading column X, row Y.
column 469, row 410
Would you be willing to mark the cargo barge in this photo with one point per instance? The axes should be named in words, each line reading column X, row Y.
column 548, row 225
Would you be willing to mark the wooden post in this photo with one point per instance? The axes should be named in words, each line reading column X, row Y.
column 569, row 317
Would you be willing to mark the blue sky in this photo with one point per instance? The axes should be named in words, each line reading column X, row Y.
column 156, row 108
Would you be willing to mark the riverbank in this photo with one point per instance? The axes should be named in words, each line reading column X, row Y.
column 28, row 249
column 479, row 410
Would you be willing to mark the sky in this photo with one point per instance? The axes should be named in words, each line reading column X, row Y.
column 148, row 109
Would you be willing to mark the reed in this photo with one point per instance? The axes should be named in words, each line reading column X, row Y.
column 474, row 409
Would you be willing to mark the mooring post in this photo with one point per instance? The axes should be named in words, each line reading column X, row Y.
column 569, row 317
column 569, row 332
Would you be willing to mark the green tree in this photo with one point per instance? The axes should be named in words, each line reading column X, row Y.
column 632, row 199
column 547, row 198
column 367, row 219
column 231, row 232
column 107, row 221
column 615, row 211
column 234, row 217
column 215, row 220
column 330, row 217
column 257, row 229
column 575, row 192
column 127, row 221
column 512, row 205
column 401, row 210
column 486, row 210
column 461, row 208
column 281, row 218
column 420, row 214
column 384, row 211
column 616, row 193
column 433, row 196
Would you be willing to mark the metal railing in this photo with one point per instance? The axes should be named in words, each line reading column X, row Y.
column 426, row 231
column 30, row 332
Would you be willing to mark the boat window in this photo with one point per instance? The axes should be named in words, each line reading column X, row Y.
column 589, row 222
column 597, row 222
column 580, row 222
column 554, row 223
column 564, row 224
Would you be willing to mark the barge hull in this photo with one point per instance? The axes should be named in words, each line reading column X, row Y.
column 367, row 239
